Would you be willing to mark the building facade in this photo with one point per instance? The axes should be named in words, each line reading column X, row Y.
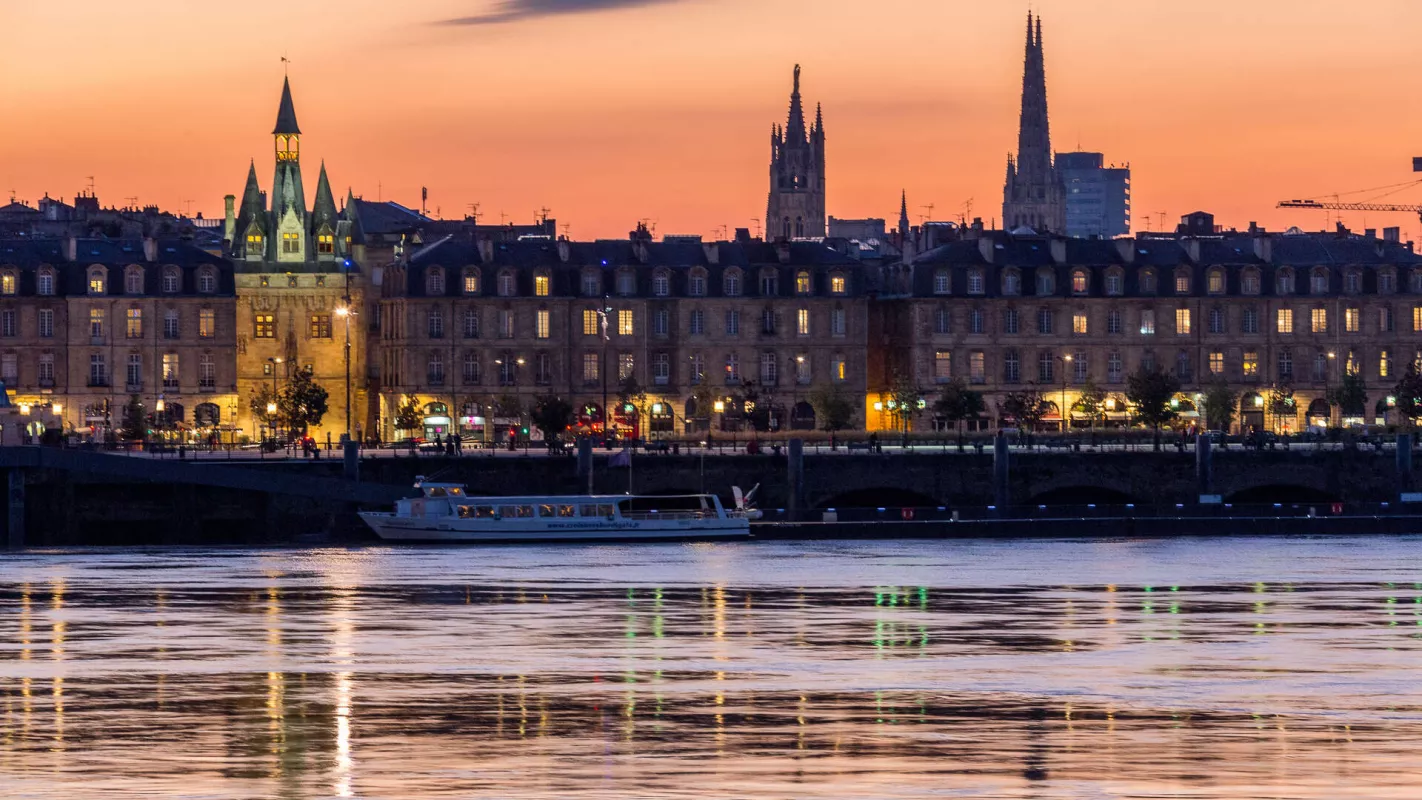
column 474, row 331
column 1033, row 196
column 796, row 209
column 87, row 325
column 1098, row 197
column 1271, row 316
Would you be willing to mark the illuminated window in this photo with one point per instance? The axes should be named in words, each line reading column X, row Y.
column 471, row 281
column 1182, row 283
column 264, row 326
column 1318, row 320
column 97, row 281
column 96, row 323
column 1216, row 282
column 591, row 322
column 1352, row 319
column 626, row 366
column 290, row 243
column 624, row 322
column 207, row 323
column 170, row 370
column 1417, row 319
column 802, row 322
column 254, row 244
column 540, row 324
column 1148, row 322
column 1216, row 363
column 1079, row 282
column 1384, row 364
column 1251, row 364
column 321, row 326
column 838, row 371
column 542, row 285
column 802, row 283
column 134, row 323
column 325, row 244
column 838, row 285
column 1286, row 320
column 8, row 283
column 1182, row 322
column 942, row 366
column 1078, row 323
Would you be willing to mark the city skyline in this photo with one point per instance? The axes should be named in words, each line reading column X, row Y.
column 682, row 141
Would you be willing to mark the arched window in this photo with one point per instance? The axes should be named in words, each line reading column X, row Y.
column 786, row 228
column 1011, row 282
column 626, row 282
column 661, row 283
column 976, row 284
column 799, row 227
column 802, row 283
column 1284, row 281
column 9, row 282
column 1353, row 281
column 207, row 280
column 1318, row 281
column 592, row 283
column 98, row 281
column 731, row 283
column 508, row 283
column 1215, row 281
column 44, row 282
column 1249, row 282
column 696, row 283
column 1046, row 282
column 1182, row 280
column 942, row 281
column 839, row 285
column 1115, row 281
column 434, row 282
column 1387, row 281
column 769, row 282
column 1080, row 281
column 1147, row 281
column 471, row 280
column 542, row 283
column 133, row 280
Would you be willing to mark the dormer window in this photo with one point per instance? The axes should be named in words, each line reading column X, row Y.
column 1080, row 281
column 1387, row 281
column 254, row 244
column 626, row 282
column 98, row 282
column 838, row 284
column 1011, row 283
column 1147, row 281
column 1215, row 282
column 1046, row 282
column 1284, row 281
column 696, row 285
column 434, row 282
column 1182, row 281
column 207, row 280
column 133, row 280
column 290, row 243
column 769, row 283
column 731, row 283
column 1318, row 281
column 172, row 281
column 976, row 283
column 942, row 282
column 471, row 281
column 44, row 282
column 9, row 283
column 1115, row 282
column 508, row 284
column 592, row 283
column 325, row 244
column 1249, row 282
column 542, row 284
column 661, row 283
column 1352, row 282
column 802, row 283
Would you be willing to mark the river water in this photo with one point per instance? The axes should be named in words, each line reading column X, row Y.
column 1193, row 668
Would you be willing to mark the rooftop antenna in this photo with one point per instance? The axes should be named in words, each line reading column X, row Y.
column 1161, row 214
column 12, row 195
column 929, row 215
column 91, row 185
column 188, row 208
column 132, row 203
column 756, row 220
column 474, row 212
column 967, row 211
column 567, row 230
column 503, row 218
column 379, row 192
column 542, row 214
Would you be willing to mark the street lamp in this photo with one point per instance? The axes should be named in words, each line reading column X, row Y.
column 344, row 312
column 1066, row 362
column 271, row 407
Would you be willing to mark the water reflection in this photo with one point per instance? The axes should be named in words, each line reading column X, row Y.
column 1046, row 670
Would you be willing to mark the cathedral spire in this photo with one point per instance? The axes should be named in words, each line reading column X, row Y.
column 795, row 128
column 323, row 209
column 903, row 218
column 1033, row 196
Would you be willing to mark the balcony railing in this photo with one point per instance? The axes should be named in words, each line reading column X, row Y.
column 96, row 381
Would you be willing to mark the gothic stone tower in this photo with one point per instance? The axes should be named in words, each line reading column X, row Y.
column 797, row 175
column 1034, row 196
column 298, row 285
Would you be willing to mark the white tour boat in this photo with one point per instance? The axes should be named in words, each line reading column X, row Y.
column 445, row 513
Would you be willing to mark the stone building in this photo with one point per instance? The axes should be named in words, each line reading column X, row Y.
column 86, row 324
column 476, row 330
column 796, row 209
column 301, row 284
column 1034, row 196
column 1261, row 312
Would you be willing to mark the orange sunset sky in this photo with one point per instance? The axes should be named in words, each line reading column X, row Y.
column 608, row 111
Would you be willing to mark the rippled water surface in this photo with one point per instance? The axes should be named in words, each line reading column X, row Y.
column 1210, row 668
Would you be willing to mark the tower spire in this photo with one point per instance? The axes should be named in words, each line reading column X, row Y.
column 1033, row 196
column 903, row 217
column 796, row 126
column 286, row 112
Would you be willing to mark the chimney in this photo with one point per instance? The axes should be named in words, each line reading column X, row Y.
column 486, row 249
column 564, row 251
column 71, row 249
column 1126, row 249
column 229, row 220
column 1264, row 248
column 150, row 249
column 1392, row 234
column 713, row 252
column 1192, row 249
column 1058, row 247
column 1370, row 233
column 988, row 248
column 782, row 251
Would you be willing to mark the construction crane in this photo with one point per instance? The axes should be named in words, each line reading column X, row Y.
column 1320, row 206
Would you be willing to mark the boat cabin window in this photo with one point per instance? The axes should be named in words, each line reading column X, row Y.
column 567, row 511
column 515, row 511
column 600, row 510
column 436, row 491
column 476, row 512
column 545, row 511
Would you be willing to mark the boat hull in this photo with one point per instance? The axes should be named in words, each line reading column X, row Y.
column 405, row 529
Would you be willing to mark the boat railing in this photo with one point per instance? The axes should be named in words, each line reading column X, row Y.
column 668, row 515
